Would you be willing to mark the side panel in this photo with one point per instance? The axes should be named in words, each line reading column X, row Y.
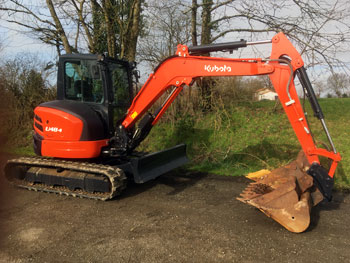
column 60, row 134
column 57, row 125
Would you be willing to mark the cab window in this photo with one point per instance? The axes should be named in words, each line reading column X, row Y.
column 83, row 81
column 120, row 82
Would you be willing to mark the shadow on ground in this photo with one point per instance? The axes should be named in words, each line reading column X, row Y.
column 179, row 180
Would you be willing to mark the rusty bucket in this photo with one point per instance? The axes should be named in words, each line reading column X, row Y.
column 285, row 194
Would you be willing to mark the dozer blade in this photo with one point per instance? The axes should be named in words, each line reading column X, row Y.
column 150, row 166
column 286, row 194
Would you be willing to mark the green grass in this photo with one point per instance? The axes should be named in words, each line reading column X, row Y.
column 246, row 137
column 19, row 151
column 337, row 116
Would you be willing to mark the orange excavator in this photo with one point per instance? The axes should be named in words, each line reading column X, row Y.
column 86, row 139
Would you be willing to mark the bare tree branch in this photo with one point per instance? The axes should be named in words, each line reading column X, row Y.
column 25, row 10
column 218, row 4
column 59, row 27
column 82, row 21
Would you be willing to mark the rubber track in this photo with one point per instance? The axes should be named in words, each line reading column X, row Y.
column 115, row 175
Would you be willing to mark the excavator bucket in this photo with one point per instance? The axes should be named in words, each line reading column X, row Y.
column 285, row 194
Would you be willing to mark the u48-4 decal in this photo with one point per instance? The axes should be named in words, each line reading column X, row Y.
column 53, row 129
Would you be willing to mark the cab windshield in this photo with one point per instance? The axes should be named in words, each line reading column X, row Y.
column 83, row 81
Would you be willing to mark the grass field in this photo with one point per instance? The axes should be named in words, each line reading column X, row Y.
column 246, row 137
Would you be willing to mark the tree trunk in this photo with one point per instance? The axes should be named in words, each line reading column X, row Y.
column 82, row 21
column 59, row 27
column 206, row 84
column 108, row 16
column 206, row 22
column 130, row 41
column 194, row 22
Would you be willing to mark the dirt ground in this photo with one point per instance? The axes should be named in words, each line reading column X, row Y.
column 180, row 217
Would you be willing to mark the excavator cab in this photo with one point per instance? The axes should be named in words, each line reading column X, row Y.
column 102, row 82
column 92, row 93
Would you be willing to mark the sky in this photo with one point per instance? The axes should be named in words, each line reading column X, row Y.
column 16, row 43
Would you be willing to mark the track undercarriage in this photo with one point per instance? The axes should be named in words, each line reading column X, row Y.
column 78, row 179
column 100, row 181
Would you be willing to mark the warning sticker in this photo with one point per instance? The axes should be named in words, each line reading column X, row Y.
column 133, row 116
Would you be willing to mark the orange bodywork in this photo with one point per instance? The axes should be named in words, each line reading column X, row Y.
column 182, row 69
column 57, row 125
column 73, row 149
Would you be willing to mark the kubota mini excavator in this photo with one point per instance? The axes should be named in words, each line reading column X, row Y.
column 86, row 139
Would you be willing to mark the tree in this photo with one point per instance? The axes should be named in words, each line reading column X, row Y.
column 319, row 88
column 81, row 25
column 339, row 84
column 206, row 84
column 166, row 26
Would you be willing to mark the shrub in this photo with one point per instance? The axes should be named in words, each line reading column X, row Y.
column 23, row 86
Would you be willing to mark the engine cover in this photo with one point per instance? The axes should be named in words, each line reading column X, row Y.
column 69, row 129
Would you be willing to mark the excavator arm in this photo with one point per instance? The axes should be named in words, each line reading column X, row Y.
column 177, row 71
column 283, row 65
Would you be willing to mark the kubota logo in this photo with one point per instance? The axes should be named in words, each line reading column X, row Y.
column 215, row 68
column 53, row 129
